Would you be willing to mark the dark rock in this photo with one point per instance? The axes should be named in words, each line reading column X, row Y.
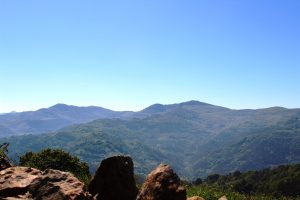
column 29, row 183
column 4, row 164
column 162, row 184
column 114, row 180
column 19, row 197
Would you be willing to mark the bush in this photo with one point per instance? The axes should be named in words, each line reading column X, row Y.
column 4, row 151
column 198, row 181
column 57, row 159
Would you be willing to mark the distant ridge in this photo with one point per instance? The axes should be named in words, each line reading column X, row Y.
column 196, row 138
column 51, row 119
column 62, row 115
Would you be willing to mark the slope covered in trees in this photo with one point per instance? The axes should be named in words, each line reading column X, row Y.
column 195, row 138
column 279, row 181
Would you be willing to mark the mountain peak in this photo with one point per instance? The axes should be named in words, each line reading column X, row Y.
column 59, row 105
column 195, row 103
column 155, row 108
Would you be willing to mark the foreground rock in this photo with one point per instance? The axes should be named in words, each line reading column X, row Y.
column 195, row 198
column 114, row 180
column 30, row 183
column 162, row 184
column 15, row 181
column 54, row 184
column 223, row 198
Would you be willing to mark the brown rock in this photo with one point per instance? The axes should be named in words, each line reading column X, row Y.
column 15, row 181
column 114, row 180
column 223, row 198
column 58, row 185
column 29, row 183
column 195, row 198
column 162, row 184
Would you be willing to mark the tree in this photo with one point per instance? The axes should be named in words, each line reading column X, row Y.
column 212, row 178
column 4, row 161
column 4, row 150
column 57, row 159
column 198, row 181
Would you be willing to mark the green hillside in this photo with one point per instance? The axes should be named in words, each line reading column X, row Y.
column 277, row 182
column 197, row 139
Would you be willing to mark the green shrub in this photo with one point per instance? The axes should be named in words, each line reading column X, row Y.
column 4, row 151
column 57, row 159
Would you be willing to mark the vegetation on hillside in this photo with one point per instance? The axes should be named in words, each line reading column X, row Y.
column 4, row 151
column 205, row 139
column 275, row 182
column 56, row 159
column 213, row 192
column 282, row 183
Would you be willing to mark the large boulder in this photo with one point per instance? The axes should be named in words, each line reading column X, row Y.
column 29, row 183
column 114, row 180
column 55, row 184
column 15, row 181
column 162, row 184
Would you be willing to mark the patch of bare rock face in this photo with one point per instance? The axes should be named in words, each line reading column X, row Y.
column 29, row 183
column 162, row 184
column 114, row 180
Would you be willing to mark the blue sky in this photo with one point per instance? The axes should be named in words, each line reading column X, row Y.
column 126, row 55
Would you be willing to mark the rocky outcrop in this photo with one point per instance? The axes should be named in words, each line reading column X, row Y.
column 29, row 183
column 162, row 184
column 15, row 181
column 114, row 180
column 54, row 184
column 223, row 198
column 195, row 198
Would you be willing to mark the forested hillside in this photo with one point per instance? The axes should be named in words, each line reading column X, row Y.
column 278, row 181
column 197, row 139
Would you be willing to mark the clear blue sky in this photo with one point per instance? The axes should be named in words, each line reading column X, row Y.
column 126, row 55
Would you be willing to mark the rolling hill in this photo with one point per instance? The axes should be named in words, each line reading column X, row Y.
column 51, row 119
column 196, row 138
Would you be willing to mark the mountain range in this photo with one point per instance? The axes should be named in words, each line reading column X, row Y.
column 196, row 138
column 50, row 119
